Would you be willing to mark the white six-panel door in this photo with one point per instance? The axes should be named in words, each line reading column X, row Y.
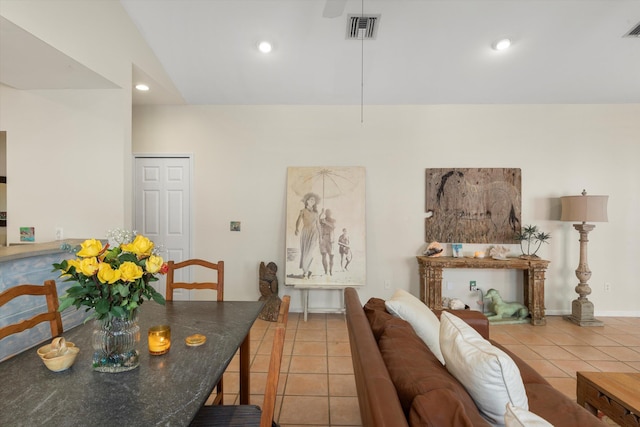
column 162, row 209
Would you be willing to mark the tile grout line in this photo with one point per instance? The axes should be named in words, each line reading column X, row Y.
column 326, row 343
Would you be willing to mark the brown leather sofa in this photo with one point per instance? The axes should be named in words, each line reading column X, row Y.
column 400, row 382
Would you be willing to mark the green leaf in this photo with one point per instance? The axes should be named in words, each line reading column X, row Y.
column 62, row 266
column 65, row 303
column 121, row 289
column 128, row 257
column 76, row 291
column 157, row 297
column 102, row 306
column 112, row 254
column 543, row 237
column 118, row 312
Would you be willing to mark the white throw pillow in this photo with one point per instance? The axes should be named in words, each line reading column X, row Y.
column 518, row 417
column 426, row 324
column 489, row 375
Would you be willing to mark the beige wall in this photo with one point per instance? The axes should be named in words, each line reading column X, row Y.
column 65, row 152
column 241, row 155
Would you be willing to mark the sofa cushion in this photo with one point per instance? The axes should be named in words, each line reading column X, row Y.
column 376, row 312
column 518, row 417
column 475, row 319
column 429, row 395
column 424, row 322
column 442, row 408
column 547, row 401
column 489, row 375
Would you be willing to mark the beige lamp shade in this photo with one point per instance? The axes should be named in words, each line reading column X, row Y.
column 584, row 208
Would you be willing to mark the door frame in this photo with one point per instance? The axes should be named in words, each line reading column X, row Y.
column 188, row 156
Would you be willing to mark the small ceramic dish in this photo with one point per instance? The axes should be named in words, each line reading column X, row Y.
column 57, row 363
column 49, row 348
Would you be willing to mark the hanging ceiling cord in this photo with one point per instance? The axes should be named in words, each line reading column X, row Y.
column 362, row 70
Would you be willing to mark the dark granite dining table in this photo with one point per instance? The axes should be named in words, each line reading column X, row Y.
column 164, row 390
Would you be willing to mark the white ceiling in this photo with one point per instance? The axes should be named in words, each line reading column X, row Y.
column 426, row 51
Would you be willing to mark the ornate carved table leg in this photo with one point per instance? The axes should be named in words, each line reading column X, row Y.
column 434, row 287
column 430, row 285
column 422, row 269
column 534, row 293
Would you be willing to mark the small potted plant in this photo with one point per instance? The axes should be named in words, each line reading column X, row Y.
column 531, row 239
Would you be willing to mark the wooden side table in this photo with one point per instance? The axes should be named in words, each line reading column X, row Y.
column 613, row 393
column 431, row 279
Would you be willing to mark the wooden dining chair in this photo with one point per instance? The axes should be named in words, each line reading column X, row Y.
column 252, row 415
column 52, row 315
column 217, row 286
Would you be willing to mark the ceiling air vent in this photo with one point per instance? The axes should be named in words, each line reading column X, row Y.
column 362, row 27
column 635, row 32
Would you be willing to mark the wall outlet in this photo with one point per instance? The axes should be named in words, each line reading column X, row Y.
column 58, row 233
column 607, row 287
column 472, row 285
column 387, row 284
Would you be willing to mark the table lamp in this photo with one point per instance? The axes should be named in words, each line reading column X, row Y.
column 585, row 209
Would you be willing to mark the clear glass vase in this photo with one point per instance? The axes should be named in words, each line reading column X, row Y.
column 115, row 343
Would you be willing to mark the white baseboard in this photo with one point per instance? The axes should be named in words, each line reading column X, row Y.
column 634, row 313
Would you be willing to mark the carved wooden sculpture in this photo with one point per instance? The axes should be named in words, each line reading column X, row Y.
column 268, row 283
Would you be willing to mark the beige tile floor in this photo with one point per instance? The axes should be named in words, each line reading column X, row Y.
column 317, row 385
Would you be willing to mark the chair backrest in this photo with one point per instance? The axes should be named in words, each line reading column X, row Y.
column 273, row 375
column 52, row 315
column 217, row 286
column 283, row 314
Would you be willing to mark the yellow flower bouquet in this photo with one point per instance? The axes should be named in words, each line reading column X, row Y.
column 112, row 281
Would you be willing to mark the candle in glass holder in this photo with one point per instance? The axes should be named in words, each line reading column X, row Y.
column 159, row 339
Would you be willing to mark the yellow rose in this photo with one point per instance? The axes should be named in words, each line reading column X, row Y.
column 154, row 264
column 130, row 271
column 73, row 263
column 88, row 266
column 140, row 246
column 90, row 248
column 106, row 274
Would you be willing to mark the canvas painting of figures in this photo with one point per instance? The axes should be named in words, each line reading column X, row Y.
column 481, row 205
column 325, row 226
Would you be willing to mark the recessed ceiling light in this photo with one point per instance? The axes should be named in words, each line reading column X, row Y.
column 501, row 44
column 265, row 47
column 142, row 87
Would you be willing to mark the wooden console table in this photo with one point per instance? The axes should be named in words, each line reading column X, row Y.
column 431, row 279
column 613, row 393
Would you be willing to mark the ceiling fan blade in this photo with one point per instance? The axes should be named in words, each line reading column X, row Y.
column 333, row 8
